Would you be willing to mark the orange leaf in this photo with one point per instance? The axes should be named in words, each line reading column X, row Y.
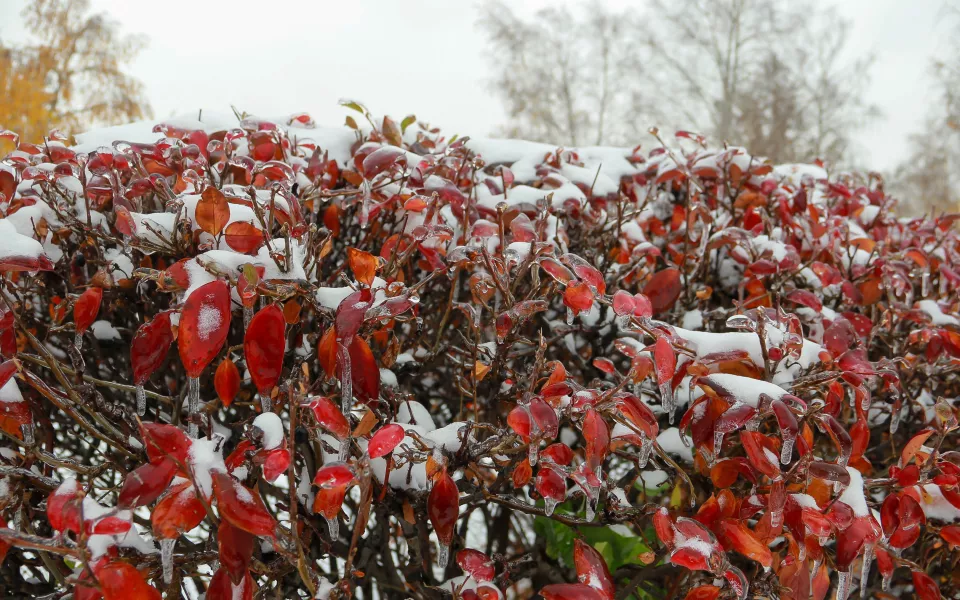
column 213, row 211
column 745, row 542
column 363, row 264
column 913, row 446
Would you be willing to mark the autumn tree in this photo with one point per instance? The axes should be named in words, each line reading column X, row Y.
column 570, row 77
column 70, row 74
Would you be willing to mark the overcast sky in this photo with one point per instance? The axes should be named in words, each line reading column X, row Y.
column 272, row 57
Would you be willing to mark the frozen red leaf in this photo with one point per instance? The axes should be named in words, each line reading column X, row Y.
column 144, row 484
column 241, row 507
column 443, row 508
column 243, row 237
column 477, row 564
column 926, row 588
column 329, row 416
column 122, row 581
column 263, row 346
column 204, row 325
column 149, row 347
column 592, row 569
column 177, row 512
column 86, row 307
column 385, row 440
column 226, row 381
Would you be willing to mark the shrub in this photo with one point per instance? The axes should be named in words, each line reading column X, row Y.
column 588, row 373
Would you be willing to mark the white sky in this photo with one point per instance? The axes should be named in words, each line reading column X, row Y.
column 273, row 57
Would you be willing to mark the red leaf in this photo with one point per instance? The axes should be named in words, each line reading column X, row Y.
column 242, row 507
column 925, row 587
column 663, row 289
column 571, row 591
column 592, row 569
column 177, row 512
column 204, row 325
column 221, row 587
column 243, row 237
column 263, row 346
column 226, row 381
column 122, row 581
column 86, row 307
column 703, row 592
column 385, row 440
column 364, row 370
column 597, row 436
column 665, row 359
column 329, row 417
column 578, row 297
column 144, row 484
column 236, row 550
column 149, row 347
column 755, row 445
column 477, row 564
column 163, row 440
column 443, row 508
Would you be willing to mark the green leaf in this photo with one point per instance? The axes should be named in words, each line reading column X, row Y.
column 617, row 544
column 351, row 123
column 407, row 122
column 354, row 105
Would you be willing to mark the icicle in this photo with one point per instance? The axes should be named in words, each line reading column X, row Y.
column 533, row 452
column 646, row 448
column 27, row 430
column 843, row 585
column 623, row 321
column 193, row 404
column 78, row 341
column 334, row 526
column 443, row 556
column 666, row 398
column 247, row 316
column 865, row 569
column 266, row 404
column 895, row 417
column 786, row 451
column 924, row 292
column 569, row 316
column 754, row 423
column 166, row 558
column 885, row 584
column 141, row 401
column 548, row 505
column 346, row 378
column 776, row 502
column 18, row 519
column 344, row 452
column 717, row 443
column 591, row 509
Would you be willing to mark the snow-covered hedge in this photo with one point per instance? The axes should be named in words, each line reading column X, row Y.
column 258, row 356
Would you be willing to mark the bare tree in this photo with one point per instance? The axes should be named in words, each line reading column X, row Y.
column 568, row 78
column 928, row 180
column 769, row 74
